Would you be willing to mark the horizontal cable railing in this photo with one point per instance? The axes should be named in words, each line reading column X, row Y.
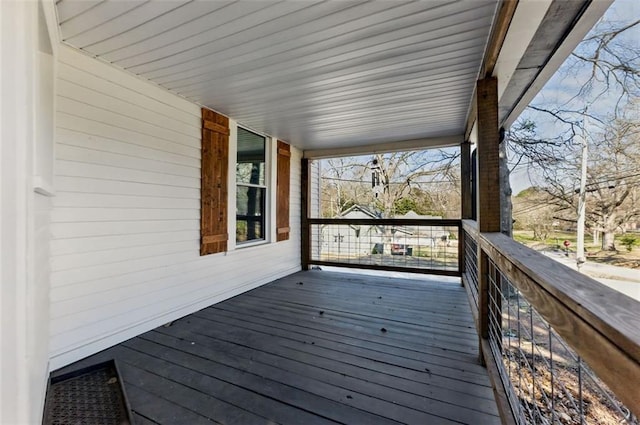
column 549, row 382
column 566, row 348
column 422, row 246
column 470, row 275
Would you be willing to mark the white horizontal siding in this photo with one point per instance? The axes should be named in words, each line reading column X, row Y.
column 102, row 244
column 74, row 215
column 90, row 152
column 125, row 221
column 84, row 109
column 80, row 169
column 71, row 199
column 140, row 106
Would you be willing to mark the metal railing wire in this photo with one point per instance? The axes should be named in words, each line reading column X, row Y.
column 423, row 246
column 471, row 266
column 546, row 382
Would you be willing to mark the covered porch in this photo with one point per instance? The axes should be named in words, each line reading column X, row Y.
column 314, row 347
column 158, row 207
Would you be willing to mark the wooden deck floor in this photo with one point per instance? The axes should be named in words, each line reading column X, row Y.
column 315, row 347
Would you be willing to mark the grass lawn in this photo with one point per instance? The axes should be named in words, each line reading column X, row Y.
column 621, row 257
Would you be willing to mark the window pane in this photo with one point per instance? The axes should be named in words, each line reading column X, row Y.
column 251, row 158
column 250, row 213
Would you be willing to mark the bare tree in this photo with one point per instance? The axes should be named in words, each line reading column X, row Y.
column 342, row 185
column 389, row 179
column 613, row 180
column 532, row 211
column 404, row 173
column 607, row 62
column 606, row 69
column 612, row 61
column 381, row 181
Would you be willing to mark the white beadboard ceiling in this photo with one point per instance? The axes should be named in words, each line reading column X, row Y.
column 318, row 74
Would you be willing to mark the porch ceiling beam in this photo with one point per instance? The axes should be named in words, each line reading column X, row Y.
column 536, row 43
column 578, row 25
column 498, row 35
column 501, row 26
column 405, row 145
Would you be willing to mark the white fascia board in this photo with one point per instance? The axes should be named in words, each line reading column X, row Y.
column 405, row 145
column 50, row 13
column 526, row 20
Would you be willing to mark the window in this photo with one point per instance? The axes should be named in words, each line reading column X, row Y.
column 251, row 185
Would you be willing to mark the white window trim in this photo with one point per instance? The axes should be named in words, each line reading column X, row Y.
column 231, row 185
column 272, row 154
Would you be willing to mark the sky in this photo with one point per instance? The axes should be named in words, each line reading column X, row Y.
column 564, row 85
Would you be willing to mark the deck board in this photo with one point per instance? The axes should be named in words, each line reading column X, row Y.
column 310, row 349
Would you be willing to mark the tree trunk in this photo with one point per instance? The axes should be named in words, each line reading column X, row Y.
column 387, row 240
column 608, row 232
column 608, row 241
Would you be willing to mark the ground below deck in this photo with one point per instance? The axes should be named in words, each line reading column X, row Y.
column 315, row 347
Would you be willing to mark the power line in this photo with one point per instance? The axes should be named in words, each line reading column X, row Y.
column 412, row 182
column 530, row 208
column 613, row 177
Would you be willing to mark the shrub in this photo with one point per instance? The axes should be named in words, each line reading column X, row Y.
column 629, row 241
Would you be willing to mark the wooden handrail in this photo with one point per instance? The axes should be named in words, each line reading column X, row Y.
column 387, row 221
column 471, row 227
column 602, row 325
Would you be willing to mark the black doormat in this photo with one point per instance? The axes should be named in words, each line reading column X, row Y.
column 92, row 395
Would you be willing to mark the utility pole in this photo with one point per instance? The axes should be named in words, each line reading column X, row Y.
column 582, row 196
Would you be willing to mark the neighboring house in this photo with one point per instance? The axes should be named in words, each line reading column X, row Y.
column 425, row 236
column 412, row 215
column 351, row 240
column 357, row 240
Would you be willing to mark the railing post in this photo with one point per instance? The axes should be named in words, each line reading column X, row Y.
column 305, row 236
column 465, row 180
column 488, row 201
column 465, row 201
column 461, row 250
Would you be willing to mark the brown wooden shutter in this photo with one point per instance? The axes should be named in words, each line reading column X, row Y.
column 282, row 194
column 214, row 191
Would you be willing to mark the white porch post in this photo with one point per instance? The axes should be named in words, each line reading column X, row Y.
column 26, row 159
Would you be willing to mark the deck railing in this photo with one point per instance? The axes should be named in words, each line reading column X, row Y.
column 564, row 349
column 470, row 271
column 422, row 246
column 560, row 347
